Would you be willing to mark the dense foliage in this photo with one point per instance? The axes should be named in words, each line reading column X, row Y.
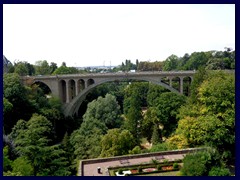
column 120, row 118
column 204, row 163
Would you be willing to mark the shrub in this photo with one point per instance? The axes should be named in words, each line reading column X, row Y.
column 159, row 167
column 120, row 171
column 165, row 161
column 140, row 169
column 218, row 171
column 154, row 161
column 194, row 165
column 175, row 166
column 199, row 163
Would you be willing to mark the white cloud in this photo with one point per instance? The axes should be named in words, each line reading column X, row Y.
column 83, row 35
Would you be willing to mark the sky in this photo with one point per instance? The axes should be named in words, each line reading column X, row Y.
column 107, row 34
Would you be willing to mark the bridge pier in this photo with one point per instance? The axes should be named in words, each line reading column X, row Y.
column 77, row 87
column 67, row 92
column 181, row 85
column 170, row 82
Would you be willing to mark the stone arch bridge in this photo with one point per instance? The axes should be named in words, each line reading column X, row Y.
column 73, row 88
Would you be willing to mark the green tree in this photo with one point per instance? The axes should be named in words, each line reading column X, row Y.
column 105, row 110
column 167, row 109
column 134, row 118
column 149, row 120
column 7, row 106
column 198, row 78
column 85, row 141
column 53, row 67
column 218, row 92
column 18, row 129
column 196, row 60
column 153, row 93
column 21, row 69
column 135, row 89
column 116, row 142
column 156, row 135
column 21, row 165
column 215, row 64
column 159, row 147
column 16, row 94
column 56, row 162
column 31, row 69
column 219, row 171
column 182, row 61
column 7, row 163
column 65, row 70
column 33, row 142
column 42, row 67
column 170, row 63
column 200, row 163
column 135, row 150
column 211, row 119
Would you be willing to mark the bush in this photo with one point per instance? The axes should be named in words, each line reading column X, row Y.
column 218, row 171
column 140, row 169
column 154, row 161
column 199, row 163
column 194, row 165
column 175, row 166
column 159, row 147
column 165, row 161
column 159, row 167
column 120, row 171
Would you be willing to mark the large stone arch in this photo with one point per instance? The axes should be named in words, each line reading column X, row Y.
column 72, row 108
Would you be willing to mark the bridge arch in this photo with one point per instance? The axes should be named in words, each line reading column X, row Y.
column 90, row 82
column 186, row 87
column 46, row 89
column 80, row 85
column 72, row 89
column 72, row 108
column 63, row 90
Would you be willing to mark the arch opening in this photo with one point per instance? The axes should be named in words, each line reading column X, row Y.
column 165, row 80
column 63, row 90
column 176, row 83
column 90, row 82
column 71, row 89
column 80, row 85
column 186, row 86
column 45, row 88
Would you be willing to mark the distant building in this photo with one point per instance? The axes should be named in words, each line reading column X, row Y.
column 6, row 64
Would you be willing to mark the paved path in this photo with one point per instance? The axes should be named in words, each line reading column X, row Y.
column 91, row 169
